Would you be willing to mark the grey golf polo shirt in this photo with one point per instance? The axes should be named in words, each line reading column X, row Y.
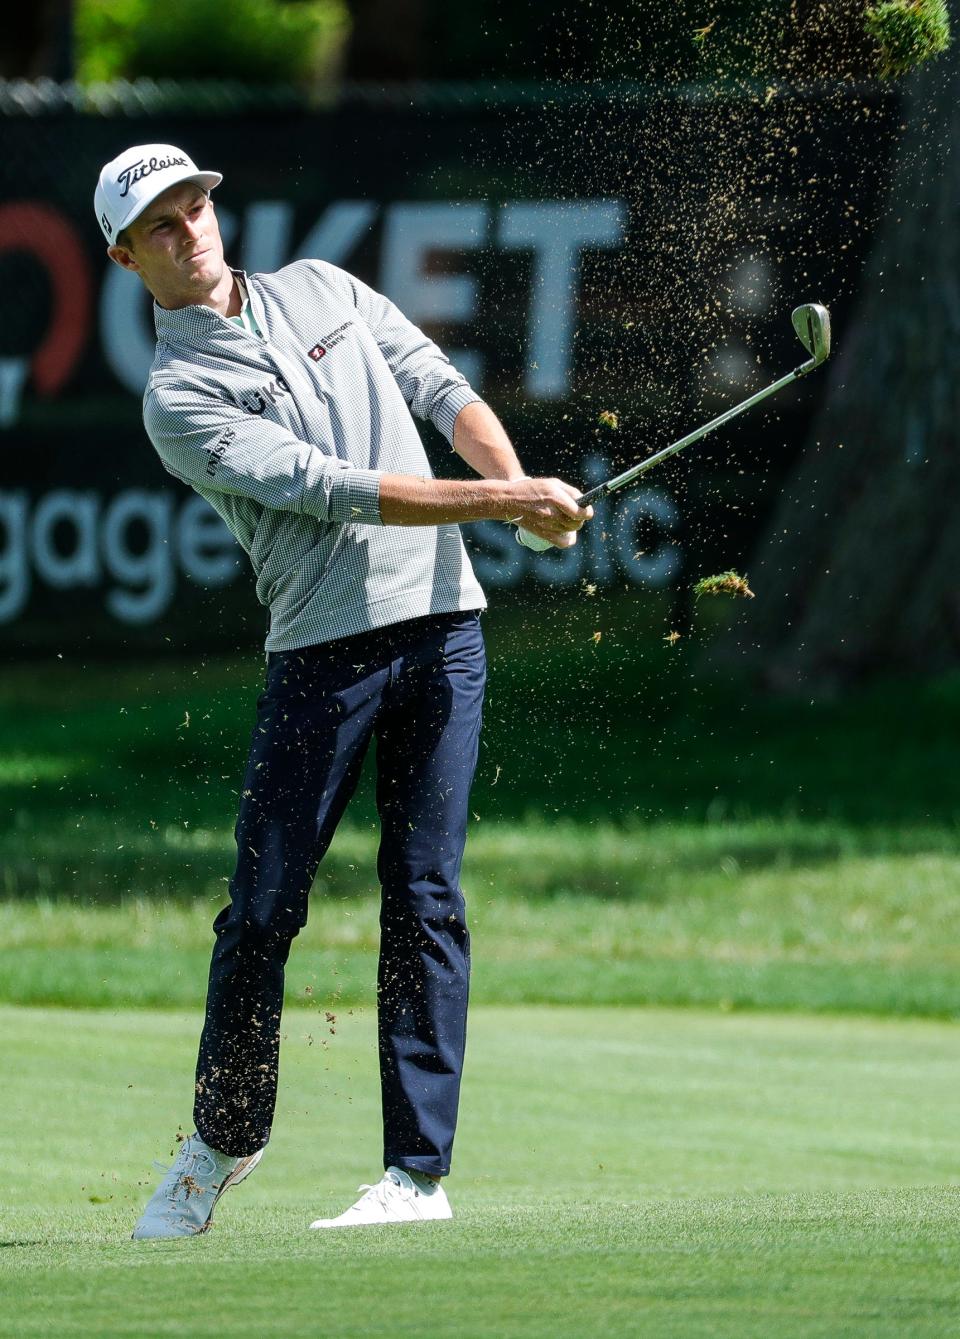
column 287, row 435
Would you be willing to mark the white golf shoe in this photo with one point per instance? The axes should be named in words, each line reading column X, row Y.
column 395, row 1199
column 183, row 1203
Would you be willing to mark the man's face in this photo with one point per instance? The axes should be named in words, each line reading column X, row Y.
column 175, row 247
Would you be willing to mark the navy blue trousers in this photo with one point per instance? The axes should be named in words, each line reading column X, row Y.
column 417, row 688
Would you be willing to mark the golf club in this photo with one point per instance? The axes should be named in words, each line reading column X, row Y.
column 812, row 324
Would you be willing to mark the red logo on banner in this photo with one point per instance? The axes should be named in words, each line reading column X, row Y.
column 45, row 234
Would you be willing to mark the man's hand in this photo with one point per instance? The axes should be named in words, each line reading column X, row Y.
column 548, row 509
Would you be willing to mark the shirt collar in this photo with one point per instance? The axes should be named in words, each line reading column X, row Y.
column 197, row 324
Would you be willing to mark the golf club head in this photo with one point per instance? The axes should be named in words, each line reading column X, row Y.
column 812, row 324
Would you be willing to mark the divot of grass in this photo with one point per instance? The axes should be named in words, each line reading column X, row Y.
column 907, row 33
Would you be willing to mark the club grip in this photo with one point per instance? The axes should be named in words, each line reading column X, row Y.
column 594, row 495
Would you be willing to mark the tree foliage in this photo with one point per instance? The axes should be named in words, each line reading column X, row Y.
column 683, row 41
column 256, row 41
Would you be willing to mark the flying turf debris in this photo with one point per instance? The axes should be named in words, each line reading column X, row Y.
column 907, row 32
column 608, row 419
column 700, row 35
column 727, row 583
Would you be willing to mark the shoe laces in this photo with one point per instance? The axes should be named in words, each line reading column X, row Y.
column 186, row 1181
column 383, row 1190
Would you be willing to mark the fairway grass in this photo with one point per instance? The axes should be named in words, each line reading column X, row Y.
column 619, row 1172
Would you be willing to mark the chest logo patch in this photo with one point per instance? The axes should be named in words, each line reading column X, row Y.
column 328, row 342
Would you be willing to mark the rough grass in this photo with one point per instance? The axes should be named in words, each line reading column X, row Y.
column 640, row 834
column 704, row 920
column 618, row 1172
column 124, row 779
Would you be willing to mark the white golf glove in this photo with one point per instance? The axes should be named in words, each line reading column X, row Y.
column 531, row 541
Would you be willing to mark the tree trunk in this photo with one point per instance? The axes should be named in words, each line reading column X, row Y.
column 859, row 571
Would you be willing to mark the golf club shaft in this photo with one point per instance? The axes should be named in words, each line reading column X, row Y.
column 622, row 480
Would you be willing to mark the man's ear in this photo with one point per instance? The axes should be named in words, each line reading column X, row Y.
column 122, row 256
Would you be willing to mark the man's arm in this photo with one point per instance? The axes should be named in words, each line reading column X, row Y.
column 546, row 507
column 211, row 444
column 434, row 390
column 479, row 437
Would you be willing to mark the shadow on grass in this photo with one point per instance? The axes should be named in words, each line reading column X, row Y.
column 606, row 767
column 106, row 861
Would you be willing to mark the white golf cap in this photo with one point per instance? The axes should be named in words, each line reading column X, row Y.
column 129, row 182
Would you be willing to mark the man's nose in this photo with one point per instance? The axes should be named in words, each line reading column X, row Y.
column 193, row 229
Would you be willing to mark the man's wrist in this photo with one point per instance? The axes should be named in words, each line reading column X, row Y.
column 411, row 500
column 504, row 500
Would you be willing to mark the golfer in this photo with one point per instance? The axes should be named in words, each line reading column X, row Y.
column 285, row 400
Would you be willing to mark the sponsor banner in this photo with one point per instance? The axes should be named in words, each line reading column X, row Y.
column 540, row 287
column 132, row 552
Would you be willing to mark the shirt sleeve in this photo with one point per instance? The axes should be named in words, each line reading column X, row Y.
column 213, row 445
column 428, row 381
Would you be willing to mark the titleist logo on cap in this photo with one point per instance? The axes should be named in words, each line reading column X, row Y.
column 137, row 171
column 132, row 180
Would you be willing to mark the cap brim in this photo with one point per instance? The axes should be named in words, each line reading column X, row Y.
column 207, row 180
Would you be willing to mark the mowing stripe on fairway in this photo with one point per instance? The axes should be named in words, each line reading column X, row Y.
column 618, row 1171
